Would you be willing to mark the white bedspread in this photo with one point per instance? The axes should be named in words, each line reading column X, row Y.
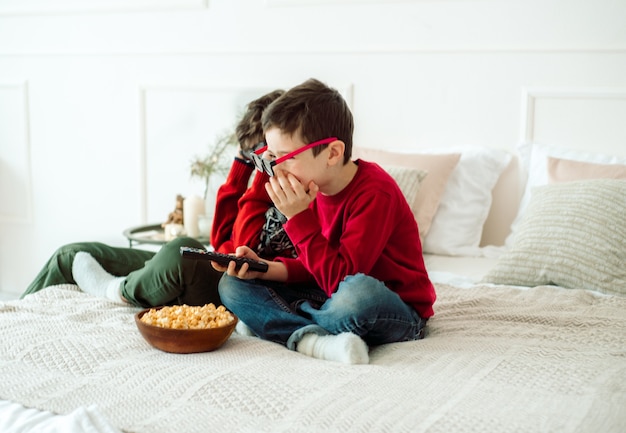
column 495, row 359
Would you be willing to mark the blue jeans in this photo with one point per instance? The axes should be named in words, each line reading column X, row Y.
column 283, row 313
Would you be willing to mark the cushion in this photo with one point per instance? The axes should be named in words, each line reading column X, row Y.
column 457, row 226
column 573, row 235
column 438, row 166
column 408, row 179
column 534, row 159
column 566, row 170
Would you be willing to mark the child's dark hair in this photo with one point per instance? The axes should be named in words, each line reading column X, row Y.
column 249, row 130
column 314, row 111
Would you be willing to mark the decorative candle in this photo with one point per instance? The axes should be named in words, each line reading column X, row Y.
column 192, row 207
column 172, row 231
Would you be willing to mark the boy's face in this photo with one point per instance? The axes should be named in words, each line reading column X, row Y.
column 304, row 166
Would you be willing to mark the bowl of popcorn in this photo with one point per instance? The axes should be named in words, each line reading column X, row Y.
column 186, row 329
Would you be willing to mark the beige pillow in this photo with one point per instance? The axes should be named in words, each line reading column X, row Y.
column 572, row 235
column 438, row 166
column 566, row 170
column 408, row 179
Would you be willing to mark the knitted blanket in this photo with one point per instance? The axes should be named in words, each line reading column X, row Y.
column 496, row 359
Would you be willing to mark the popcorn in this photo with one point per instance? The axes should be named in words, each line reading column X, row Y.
column 188, row 317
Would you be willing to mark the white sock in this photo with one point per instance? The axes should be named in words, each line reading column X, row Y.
column 243, row 329
column 346, row 347
column 93, row 279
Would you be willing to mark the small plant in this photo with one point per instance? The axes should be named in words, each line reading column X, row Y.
column 218, row 161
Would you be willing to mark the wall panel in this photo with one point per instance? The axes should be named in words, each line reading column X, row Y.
column 15, row 163
column 579, row 118
column 47, row 7
column 121, row 95
column 180, row 122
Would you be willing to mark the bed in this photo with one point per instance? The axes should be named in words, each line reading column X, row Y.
column 527, row 336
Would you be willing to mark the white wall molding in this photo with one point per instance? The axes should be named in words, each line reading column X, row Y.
column 15, row 155
column 231, row 52
column 298, row 3
column 69, row 7
column 595, row 100
column 143, row 160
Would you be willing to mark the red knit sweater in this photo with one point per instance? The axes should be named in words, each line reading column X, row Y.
column 366, row 228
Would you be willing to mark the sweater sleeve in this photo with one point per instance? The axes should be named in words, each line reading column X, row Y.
column 296, row 271
column 251, row 217
column 354, row 250
column 226, row 203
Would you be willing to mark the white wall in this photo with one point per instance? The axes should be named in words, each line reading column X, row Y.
column 103, row 103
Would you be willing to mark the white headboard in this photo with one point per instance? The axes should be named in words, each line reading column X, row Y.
column 586, row 119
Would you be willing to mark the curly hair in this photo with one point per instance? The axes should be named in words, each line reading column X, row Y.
column 249, row 130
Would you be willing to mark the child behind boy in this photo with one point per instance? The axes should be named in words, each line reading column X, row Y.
column 359, row 276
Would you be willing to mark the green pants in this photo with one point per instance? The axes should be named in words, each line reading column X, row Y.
column 152, row 279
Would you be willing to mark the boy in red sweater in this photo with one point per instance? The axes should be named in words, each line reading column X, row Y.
column 359, row 276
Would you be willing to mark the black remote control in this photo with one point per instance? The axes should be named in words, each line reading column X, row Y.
column 222, row 259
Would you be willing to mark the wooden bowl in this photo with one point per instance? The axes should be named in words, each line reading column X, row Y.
column 184, row 340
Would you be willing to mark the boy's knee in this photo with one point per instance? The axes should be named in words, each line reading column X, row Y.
column 361, row 285
column 73, row 248
column 359, row 292
column 183, row 241
column 171, row 249
column 226, row 288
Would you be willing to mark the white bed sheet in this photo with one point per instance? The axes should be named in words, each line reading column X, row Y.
column 495, row 359
column 457, row 270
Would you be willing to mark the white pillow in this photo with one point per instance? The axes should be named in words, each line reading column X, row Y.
column 534, row 159
column 457, row 226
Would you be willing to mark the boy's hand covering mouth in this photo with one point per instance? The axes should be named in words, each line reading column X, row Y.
column 289, row 195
